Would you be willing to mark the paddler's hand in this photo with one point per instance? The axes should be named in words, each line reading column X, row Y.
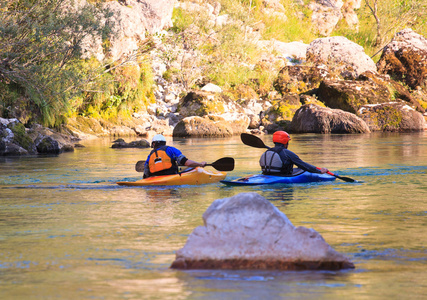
column 323, row 170
column 194, row 164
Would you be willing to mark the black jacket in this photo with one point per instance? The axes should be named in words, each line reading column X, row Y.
column 279, row 160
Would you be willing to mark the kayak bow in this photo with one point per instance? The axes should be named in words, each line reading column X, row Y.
column 192, row 176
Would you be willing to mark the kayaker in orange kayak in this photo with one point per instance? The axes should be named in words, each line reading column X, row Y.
column 164, row 160
column 280, row 161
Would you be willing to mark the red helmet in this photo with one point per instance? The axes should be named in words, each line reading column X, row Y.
column 281, row 137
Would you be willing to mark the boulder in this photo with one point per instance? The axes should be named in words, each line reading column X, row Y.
column 326, row 15
column 203, row 127
column 120, row 143
column 340, row 54
column 14, row 139
column 405, row 59
column 201, row 103
column 214, row 111
column 50, row 141
column 392, row 117
column 17, row 140
column 47, row 145
column 316, row 119
column 350, row 95
column 299, row 79
column 248, row 232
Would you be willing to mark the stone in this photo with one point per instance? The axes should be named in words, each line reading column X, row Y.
column 202, row 127
column 393, row 116
column 210, row 87
column 311, row 118
column 47, row 145
column 246, row 231
column 347, row 57
column 120, row 143
column 405, row 59
column 350, row 95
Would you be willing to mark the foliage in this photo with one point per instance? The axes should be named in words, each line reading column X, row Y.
column 42, row 73
column 391, row 16
column 40, row 46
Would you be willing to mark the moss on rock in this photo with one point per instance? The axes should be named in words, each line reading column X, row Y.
column 21, row 137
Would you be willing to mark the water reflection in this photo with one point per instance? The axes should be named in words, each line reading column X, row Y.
column 68, row 231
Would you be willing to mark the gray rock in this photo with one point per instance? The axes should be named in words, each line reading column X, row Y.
column 248, row 232
column 338, row 52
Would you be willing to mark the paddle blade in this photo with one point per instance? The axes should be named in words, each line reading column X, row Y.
column 346, row 179
column 224, row 164
column 139, row 167
column 252, row 140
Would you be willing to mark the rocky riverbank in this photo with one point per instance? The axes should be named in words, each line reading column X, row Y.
column 327, row 86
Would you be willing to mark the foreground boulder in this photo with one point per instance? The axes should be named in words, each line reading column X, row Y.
column 248, row 232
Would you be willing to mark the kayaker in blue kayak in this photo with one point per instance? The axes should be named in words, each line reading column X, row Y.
column 280, row 161
column 164, row 160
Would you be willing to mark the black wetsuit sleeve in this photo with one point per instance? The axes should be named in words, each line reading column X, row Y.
column 301, row 164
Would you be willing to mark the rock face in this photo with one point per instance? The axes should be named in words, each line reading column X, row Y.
column 247, row 232
column 130, row 20
column 316, row 119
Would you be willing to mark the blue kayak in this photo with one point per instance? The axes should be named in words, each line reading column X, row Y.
column 299, row 176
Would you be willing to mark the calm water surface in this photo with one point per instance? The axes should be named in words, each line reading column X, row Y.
column 67, row 231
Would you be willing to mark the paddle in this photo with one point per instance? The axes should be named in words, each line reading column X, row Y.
column 346, row 179
column 254, row 141
column 224, row 164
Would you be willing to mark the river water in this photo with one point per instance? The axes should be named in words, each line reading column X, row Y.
column 67, row 231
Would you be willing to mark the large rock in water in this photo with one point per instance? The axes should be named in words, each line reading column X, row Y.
column 248, row 232
column 316, row 119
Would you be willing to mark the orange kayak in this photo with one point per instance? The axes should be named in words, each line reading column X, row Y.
column 193, row 176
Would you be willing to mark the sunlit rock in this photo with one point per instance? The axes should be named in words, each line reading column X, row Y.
column 248, row 232
column 208, row 126
column 339, row 53
column 316, row 119
column 405, row 59
column 392, row 116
